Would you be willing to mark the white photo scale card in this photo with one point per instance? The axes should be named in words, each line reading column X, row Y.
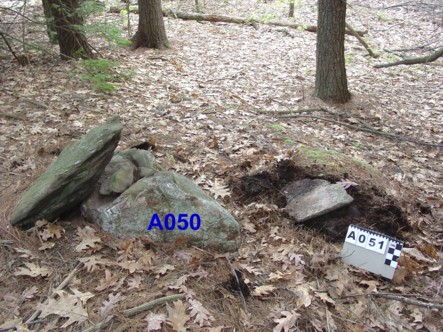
column 372, row 251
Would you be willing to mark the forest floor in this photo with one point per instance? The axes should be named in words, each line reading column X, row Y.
column 209, row 106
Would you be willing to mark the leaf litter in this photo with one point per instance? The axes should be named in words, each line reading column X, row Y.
column 201, row 104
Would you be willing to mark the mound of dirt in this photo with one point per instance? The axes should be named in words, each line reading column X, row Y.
column 373, row 207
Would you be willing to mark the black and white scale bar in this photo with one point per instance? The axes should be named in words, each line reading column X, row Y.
column 372, row 251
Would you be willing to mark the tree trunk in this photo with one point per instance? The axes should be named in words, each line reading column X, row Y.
column 330, row 80
column 151, row 29
column 49, row 19
column 291, row 8
column 72, row 41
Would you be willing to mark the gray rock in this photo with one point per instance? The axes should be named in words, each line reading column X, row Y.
column 70, row 178
column 169, row 193
column 308, row 199
column 125, row 168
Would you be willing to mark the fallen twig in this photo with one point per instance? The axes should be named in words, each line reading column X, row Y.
column 362, row 41
column 429, row 305
column 238, row 283
column 12, row 116
column 405, row 298
column 134, row 311
column 62, row 285
column 303, row 110
column 367, row 128
column 412, row 61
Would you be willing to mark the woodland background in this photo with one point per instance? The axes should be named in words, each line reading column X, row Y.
column 211, row 107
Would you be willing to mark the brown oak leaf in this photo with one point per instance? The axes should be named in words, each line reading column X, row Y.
column 67, row 306
column 108, row 305
column 177, row 316
column 33, row 270
column 286, row 322
column 199, row 313
column 155, row 321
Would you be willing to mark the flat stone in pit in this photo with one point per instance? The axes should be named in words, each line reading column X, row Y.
column 308, row 198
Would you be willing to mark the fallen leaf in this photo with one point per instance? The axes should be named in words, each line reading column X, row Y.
column 164, row 269
column 33, row 270
column 288, row 320
column 88, row 243
column 218, row 189
column 83, row 297
column 154, row 321
column 108, row 305
column 67, row 306
column 400, row 275
column 199, row 275
column 200, row 314
column 417, row 255
column 347, row 184
column 263, row 290
column 303, row 297
column 417, row 314
column 91, row 263
column 134, row 282
column 51, row 231
column 131, row 266
column 177, row 316
column 324, row 297
column 29, row 293
column 110, row 281
column 251, row 269
column 46, row 245
column 249, row 226
column 372, row 286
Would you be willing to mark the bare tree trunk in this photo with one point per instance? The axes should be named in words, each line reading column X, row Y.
column 291, row 8
column 151, row 29
column 50, row 26
column 72, row 41
column 330, row 80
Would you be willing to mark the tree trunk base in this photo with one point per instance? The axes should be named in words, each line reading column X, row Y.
column 140, row 40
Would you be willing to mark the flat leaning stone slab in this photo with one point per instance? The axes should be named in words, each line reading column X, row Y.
column 308, row 199
column 70, row 178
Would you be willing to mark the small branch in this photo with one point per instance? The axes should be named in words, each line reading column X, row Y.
column 138, row 309
column 327, row 319
column 238, row 283
column 367, row 128
column 12, row 116
column 307, row 110
column 63, row 284
column 403, row 299
column 20, row 59
column 362, row 41
column 412, row 61
column 152, row 304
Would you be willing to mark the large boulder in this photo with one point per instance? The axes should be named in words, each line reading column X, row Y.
column 167, row 193
column 70, row 178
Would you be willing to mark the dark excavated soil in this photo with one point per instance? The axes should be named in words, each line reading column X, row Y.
column 371, row 207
